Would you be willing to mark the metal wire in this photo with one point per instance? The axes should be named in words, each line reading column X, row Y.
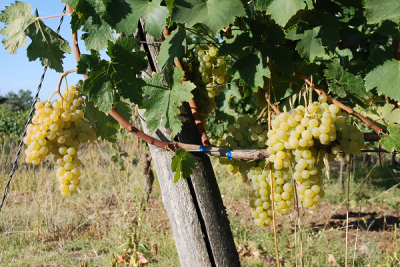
column 21, row 144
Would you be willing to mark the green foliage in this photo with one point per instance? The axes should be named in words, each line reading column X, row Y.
column 124, row 16
column 172, row 48
column 162, row 106
column 20, row 101
column 382, row 10
column 282, row 10
column 346, row 47
column 97, row 35
column 386, row 79
column 107, row 127
column 214, row 14
column 116, row 78
column 391, row 141
column 183, row 164
column 251, row 70
column 12, row 123
column 46, row 44
column 342, row 82
column 310, row 46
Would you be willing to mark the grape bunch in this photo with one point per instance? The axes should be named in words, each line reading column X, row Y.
column 247, row 134
column 207, row 71
column 210, row 70
column 59, row 128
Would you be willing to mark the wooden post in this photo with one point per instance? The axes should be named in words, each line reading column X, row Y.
column 195, row 209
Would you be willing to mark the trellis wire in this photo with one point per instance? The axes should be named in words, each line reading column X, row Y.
column 21, row 144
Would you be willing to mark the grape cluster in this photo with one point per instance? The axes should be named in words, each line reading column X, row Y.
column 299, row 143
column 210, row 70
column 207, row 71
column 59, row 128
column 350, row 137
column 246, row 134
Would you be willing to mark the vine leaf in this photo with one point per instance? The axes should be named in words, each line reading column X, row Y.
column 162, row 106
column 382, row 10
column 390, row 115
column 172, row 48
column 46, row 43
column 214, row 14
column 262, row 4
column 251, row 70
column 97, row 35
column 282, row 10
column 117, row 76
column 342, row 82
column 309, row 46
column 386, row 79
column 107, row 127
column 329, row 33
column 392, row 141
column 127, row 21
column 183, row 164
column 85, row 10
column 236, row 45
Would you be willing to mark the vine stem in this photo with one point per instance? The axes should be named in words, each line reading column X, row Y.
column 273, row 106
column 320, row 91
column 59, row 83
column 193, row 107
column 55, row 16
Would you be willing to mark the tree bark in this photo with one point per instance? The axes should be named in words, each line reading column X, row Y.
column 195, row 209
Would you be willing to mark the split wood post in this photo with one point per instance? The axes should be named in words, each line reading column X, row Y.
column 195, row 209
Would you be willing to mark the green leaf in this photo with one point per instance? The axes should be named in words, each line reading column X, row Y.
column 85, row 10
column 124, row 17
column 46, row 44
column 391, row 142
column 378, row 10
column 117, row 76
column 88, row 62
column 342, row 82
column 107, row 127
column 183, row 164
column 282, row 10
column 214, row 14
column 262, row 5
column 172, row 48
column 237, row 45
column 97, row 35
column 267, row 39
column 386, row 79
column 388, row 27
column 100, row 6
column 162, row 106
column 380, row 53
column 310, row 46
column 390, row 115
column 329, row 33
column 251, row 70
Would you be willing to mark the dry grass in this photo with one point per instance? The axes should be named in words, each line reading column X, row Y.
column 40, row 228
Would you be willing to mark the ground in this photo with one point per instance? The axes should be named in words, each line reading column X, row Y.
column 40, row 228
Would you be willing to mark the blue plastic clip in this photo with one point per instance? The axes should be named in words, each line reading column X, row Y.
column 229, row 154
column 203, row 149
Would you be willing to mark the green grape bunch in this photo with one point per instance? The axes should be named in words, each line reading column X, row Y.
column 59, row 128
column 299, row 143
column 207, row 71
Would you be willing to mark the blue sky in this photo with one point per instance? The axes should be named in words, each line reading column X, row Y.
column 16, row 72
